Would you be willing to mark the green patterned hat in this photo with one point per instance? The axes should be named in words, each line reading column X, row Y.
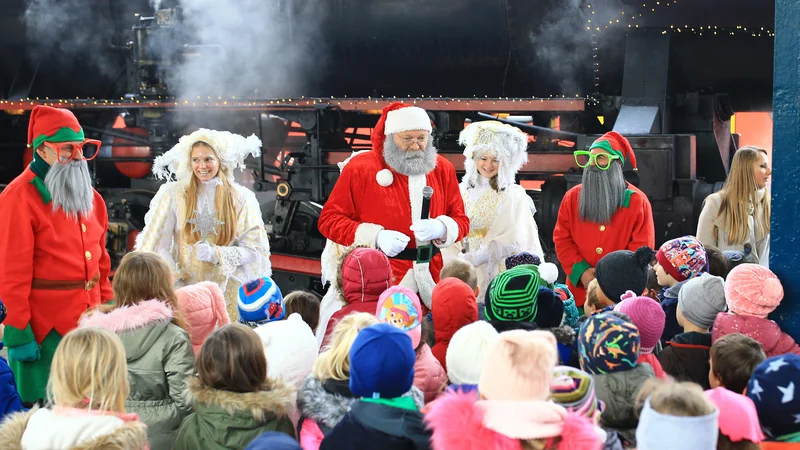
column 512, row 295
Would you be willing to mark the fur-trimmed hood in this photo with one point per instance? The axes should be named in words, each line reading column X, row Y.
column 277, row 402
column 131, row 435
column 564, row 334
column 129, row 318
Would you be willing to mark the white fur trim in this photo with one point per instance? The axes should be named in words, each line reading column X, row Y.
column 452, row 231
column 506, row 142
column 344, row 163
column 367, row 234
column 419, row 280
column 548, row 272
column 411, row 118
column 231, row 148
column 384, row 177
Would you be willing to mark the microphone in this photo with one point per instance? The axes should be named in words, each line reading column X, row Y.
column 427, row 193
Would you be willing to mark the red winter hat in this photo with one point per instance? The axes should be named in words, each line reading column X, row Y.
column 53, row 124
column 413, row 118
column 616, row 144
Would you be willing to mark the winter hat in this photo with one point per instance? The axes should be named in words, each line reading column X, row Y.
column 512, row 295
column 607, row 343
column 467, row 351
column 738, row 419
column 399, row 306
column 290, row 347
column 519, row 366
column 773, row 390
column 382, row 362
column 648, row 317
column 701, row 299
column 203, row 306
column 363, row 275
column 683, row 258
column 658, row 431
column 3, row 311
column 574, row 389
column 522, row 258
column 260, row 301
column 571, row 313
column 622, row 271
column 752, row 290
column 54, row 125
column 616, row 144
column 273, row 440
column 549, row 309
column 231, row 148
column 506, row 142
column 394, row 120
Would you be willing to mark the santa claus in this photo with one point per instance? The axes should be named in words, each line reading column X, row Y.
column 602, row 214
column 53, row 260
column 378, row 200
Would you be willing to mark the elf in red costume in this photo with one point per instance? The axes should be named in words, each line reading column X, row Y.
column 377, row 200
column 53, row 260
column 602, row 214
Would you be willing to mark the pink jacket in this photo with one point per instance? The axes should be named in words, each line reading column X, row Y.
column 429, row 375
column 774, row 341
column 203, row 307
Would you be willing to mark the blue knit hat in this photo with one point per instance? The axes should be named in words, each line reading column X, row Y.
column 773, row 389
column 607, row 343
column 260, row 301
column 381, row 362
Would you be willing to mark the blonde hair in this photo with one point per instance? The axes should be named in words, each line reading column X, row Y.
column 682, row 399
column 145, row 276
column 334, row 363
column 223, row 202
column 463, row 270
column 89, row 371
column 738, row 193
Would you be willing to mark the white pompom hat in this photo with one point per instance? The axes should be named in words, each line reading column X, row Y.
column 505, row 142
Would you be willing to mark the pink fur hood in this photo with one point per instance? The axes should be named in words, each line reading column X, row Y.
column 133, row 317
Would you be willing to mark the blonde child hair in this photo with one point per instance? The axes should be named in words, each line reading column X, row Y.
column 334, row 363
column 463, row 270
column 89, row 371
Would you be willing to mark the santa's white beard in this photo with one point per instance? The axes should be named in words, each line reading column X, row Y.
column 418, row 162
column 70, row 187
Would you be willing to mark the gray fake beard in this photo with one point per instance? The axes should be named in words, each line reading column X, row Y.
column 601, row 194
column 409, row 162
column 70, row 187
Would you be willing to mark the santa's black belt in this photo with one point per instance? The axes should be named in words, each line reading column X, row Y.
column 423, row 254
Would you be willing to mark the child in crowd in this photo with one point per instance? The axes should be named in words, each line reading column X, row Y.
column 739, row 428
column 453, row 305
column 608, row 349
column 513, row 410
column 717, row 262
column 464, row 271
column 203, row 307
column 234, row 400
column 753, row 292
column 306, row 304
column 146, row 317
column 9, row 396
column 87, row 390
column 550, row 317
column 400, row 307
column 511, row 298
column 260, row 301
column 678, row 260
column 617, row 273
column 677, row 416
column 521, row 259
column 363, row 275
column 732, row 360
column 654, row 290
column 290, row 348
column 571, row 312
column 466, row 353
column 273, row 440
column 773, row 390
column 649, row 319
column 382, row 363
column 686, row 356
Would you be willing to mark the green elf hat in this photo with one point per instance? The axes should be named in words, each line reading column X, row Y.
column 616, row 144
column 53, row 125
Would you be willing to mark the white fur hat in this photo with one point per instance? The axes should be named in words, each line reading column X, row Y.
column 231, row 148
column 507, row 143
column 407, row 119
column 290, row 348
column 467, row 350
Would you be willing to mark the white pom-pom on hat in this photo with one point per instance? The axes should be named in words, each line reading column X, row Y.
column 384, row 177
column 548, row 272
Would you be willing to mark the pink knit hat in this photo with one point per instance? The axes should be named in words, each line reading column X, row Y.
column 519, row 366
column 203, row 307
column 752, row 290
column 647, row 315
column 738, row 419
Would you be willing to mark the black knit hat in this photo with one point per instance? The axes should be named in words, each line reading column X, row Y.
column 550, row 309
column 623, row 271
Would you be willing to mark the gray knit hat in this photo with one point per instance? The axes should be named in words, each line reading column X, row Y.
column 701, row 299
column 622, row 271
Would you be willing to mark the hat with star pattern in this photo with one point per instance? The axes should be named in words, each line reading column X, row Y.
column 773, row 389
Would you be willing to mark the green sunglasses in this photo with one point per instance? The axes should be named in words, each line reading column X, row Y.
column 602, row 161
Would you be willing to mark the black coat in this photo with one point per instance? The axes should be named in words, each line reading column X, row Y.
column 686, row 357
column 373, row 425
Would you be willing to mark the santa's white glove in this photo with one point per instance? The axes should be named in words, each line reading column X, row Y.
column 477, row 257
column 205, row 252
column 392, row 242
column 429, row 229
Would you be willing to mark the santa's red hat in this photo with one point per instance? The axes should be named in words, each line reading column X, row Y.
column 616, row 144
column 396, row 118
column 53, row 125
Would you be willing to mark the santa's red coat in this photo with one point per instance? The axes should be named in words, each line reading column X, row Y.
column 36, row 242
column 359, row 207
column 580, row 245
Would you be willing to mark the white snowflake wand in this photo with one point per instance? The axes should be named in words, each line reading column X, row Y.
column 205, row 222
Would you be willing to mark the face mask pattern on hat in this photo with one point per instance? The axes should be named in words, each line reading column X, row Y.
column 398, row 310
column 513, row 295
column 608, row 344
